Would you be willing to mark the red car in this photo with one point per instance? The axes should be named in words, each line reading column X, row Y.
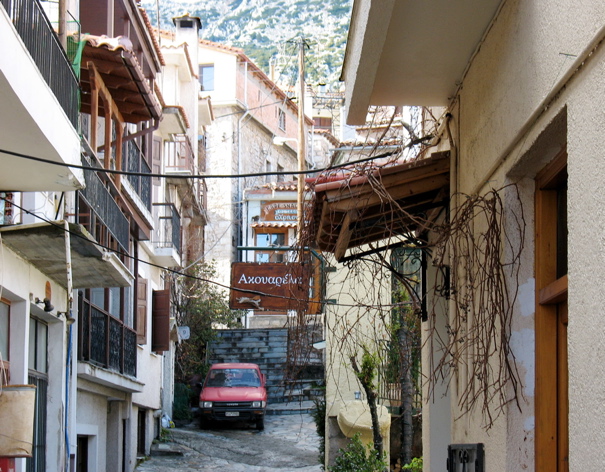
column 234, row 392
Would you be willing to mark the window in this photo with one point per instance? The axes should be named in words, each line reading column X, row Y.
column 4, row 338
column 38, row 370
column 280, row 176
column 38, row 342
column 270, row 240
column 206, row 77
column 281, row 120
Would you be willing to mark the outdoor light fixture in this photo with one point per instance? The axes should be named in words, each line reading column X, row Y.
column 68, row 318
column 279, row 141
column 47, row 305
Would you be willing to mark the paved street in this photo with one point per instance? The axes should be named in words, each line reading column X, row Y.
column 288, row 443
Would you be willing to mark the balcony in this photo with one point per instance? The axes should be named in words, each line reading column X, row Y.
column 134, row 162
column 166, row 238
column 105, row 211
column 179, row 158
column 106, row 342
column 36, row 82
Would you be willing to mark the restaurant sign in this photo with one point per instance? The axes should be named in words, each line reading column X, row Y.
column 279, row 211
column 268, row 286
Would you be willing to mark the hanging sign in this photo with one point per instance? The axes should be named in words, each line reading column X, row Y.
column 269, row 286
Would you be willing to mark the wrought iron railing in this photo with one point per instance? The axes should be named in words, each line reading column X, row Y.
column 105, row 207
column 41, row 41
column 105, row 340
column 133, row 161
column 179, row 157
column 167, row 231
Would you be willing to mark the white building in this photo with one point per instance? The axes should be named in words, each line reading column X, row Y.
column 518, row 85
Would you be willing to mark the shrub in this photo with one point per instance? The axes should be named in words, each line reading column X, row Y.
column 357, row 458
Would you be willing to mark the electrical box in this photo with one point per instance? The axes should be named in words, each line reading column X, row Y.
column 465, row 458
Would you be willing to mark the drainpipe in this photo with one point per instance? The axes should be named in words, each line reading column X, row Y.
column 68, row 360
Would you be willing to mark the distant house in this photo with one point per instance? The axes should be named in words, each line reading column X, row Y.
column 514, row 88
column 250, row 112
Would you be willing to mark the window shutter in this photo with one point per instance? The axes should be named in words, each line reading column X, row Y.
column 160, row 339
column 141, row 311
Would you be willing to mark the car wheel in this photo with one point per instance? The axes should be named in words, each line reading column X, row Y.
column 204, row 423
column 260, row 424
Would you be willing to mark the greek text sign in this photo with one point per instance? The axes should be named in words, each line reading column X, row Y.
column 268, row 286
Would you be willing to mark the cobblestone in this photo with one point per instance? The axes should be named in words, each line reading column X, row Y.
column 288, row 443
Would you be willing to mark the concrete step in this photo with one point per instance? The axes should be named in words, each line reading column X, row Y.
column 290, row 408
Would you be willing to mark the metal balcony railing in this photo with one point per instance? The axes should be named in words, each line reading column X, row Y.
column 105, row 340
column 179, row 157
column 133, row 160
column 167, row 231
column 105, row 207
column 41, row 41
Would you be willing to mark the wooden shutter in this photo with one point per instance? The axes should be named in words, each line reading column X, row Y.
column 160, row 338
column 141, row 311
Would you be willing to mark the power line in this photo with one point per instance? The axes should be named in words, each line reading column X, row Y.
column 201, row 176
column 174, row 271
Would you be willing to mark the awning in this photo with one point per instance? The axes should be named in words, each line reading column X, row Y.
column 122, row 75
column 390, row 202
column 43, row 245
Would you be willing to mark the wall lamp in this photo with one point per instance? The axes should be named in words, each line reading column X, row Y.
column 68, row 318
column 48, row 307
column 279, row 141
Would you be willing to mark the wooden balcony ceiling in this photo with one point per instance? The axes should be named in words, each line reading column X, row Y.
column 123, row 77
column 390, row 202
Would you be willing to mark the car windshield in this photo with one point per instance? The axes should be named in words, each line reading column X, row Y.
column 233, row 378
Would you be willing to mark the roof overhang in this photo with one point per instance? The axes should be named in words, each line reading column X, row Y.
column 205, row 112
column 123, row 77
column 43, row 245
column 395, row 202
column 406, row 52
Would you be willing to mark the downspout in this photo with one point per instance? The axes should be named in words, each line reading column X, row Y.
column 68, row 359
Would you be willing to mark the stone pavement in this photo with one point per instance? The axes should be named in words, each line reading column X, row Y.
column 288, row 443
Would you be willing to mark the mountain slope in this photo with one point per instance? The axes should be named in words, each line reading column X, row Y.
column 262, row 28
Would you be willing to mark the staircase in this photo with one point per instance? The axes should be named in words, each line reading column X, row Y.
column 269, row 349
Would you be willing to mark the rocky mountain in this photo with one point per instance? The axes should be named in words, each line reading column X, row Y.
column 267, row 30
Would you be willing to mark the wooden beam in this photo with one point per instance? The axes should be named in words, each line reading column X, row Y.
column 342, row 243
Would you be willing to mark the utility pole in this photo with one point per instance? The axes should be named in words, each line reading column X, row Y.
column 302, row 141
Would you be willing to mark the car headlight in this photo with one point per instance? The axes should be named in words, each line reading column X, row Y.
column 205, row 404
column 258, row 404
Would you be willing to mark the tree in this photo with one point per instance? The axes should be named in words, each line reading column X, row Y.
column 202, row 306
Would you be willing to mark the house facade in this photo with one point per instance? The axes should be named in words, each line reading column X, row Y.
column 249, row 112
column 514, row 90
column 87, row 251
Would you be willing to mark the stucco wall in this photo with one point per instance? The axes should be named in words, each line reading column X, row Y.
column 362, row 298
column 506, row 132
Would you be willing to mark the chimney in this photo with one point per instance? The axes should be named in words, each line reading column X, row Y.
column 188, row 31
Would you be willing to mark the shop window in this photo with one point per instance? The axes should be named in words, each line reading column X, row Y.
column 270, row 240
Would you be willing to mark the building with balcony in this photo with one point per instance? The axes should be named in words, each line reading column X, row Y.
column 85, row 300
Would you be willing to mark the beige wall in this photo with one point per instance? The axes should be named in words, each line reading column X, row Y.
column 506, row 131
column 357, row 319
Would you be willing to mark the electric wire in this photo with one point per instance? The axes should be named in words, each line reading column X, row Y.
column 175, row 271
column 200, row 176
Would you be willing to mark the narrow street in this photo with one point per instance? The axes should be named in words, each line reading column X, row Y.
column 288, row 443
